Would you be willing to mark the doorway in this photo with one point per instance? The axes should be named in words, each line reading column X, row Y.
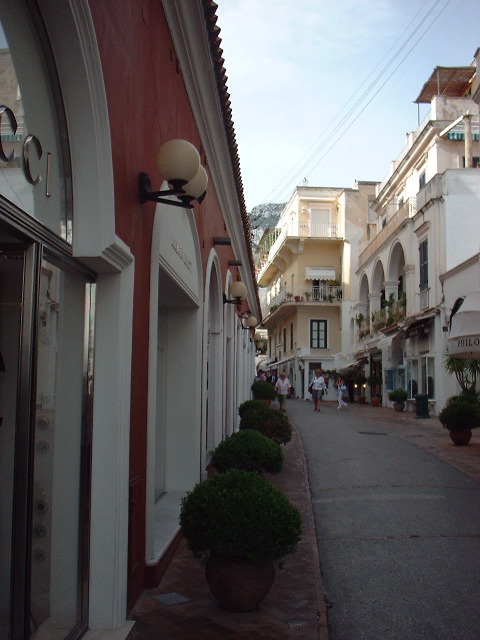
column 46, row 356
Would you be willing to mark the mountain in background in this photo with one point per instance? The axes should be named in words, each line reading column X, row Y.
column 262, row 217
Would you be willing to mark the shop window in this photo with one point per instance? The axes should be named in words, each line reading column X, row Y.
column 428, row 376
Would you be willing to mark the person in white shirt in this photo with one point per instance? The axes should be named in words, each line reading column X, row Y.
column 341, row 388
column 317, row 387
column 282, row 387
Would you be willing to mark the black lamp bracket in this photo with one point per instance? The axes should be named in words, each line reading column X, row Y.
column 145, row 192
column 237, row 301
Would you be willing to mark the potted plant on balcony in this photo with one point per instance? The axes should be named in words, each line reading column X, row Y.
column 307, row 294
column 460, row 415
column 398, row 397
column 241, row 525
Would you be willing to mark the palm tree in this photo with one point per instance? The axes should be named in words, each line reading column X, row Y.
column 465, row 370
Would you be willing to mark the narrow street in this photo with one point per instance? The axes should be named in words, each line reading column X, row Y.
column 398, row 526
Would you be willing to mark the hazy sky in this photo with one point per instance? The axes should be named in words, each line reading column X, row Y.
column 324, row 89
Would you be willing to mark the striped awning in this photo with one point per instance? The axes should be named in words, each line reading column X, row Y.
column 320, row 273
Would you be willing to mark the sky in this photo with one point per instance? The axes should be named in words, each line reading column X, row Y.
column 324, row 90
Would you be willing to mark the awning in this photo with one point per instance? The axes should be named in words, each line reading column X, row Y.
column 386, row 342
column 320, row 273
column 460, row 135
column 464, row 340
column 446, row 81
column 420, row 323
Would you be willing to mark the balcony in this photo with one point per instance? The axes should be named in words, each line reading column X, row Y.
column 295, row 229
column 406, row 210
column 393, row 311
column 308, row 295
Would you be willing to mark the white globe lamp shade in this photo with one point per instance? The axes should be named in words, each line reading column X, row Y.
column 238, row 290
column 178, row 160
column 251, row 322
column 197, row 185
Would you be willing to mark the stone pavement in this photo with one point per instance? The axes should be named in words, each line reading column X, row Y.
column 182, row 608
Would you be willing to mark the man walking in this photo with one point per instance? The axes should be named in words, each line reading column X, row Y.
column 282, row 387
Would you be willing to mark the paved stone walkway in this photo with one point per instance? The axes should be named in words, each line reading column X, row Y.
column 182, row 608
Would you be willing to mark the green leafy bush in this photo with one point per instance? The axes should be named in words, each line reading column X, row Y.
column 461, row 412
column 252, row 405
column 397, row 395
column 272, row 423
column 263, row 390
column 250, row 450
column 239, row 514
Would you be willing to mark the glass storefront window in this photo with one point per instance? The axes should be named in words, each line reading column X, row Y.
column 34, row 172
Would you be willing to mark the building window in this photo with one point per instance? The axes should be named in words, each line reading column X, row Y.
column 291, row 336
column 284, row 341
column 475, row 162
column 318, row 334
column 423, row 251
column 422, row 181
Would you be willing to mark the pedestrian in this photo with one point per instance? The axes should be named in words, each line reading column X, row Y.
column 341, row 388
column 316, row 388
column 282, row 387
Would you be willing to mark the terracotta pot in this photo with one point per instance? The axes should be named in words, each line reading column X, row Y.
column 460, row 438
column 238, row 584
column 399, row 405
column 361, row 399
column 375, row 402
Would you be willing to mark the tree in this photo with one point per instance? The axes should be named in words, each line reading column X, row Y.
column 466, row 371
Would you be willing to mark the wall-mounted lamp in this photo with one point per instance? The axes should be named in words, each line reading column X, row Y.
column 238, row 291
column 179, row 163
column 250, row 321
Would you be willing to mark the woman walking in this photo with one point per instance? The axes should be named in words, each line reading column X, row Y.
column 341, row 388
column 317, row 386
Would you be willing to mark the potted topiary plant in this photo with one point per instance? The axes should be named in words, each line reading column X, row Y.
column 250, row 450
column 460, row 415
column 263, row 390
column 241, row 524
column 272, row 423
column 398, row 397
column 252, row 405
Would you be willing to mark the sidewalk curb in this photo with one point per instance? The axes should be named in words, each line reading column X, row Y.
column 322, row 616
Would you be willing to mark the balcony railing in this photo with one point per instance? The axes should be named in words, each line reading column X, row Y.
column 297, row 229
column 384, row 317
column 313, row 294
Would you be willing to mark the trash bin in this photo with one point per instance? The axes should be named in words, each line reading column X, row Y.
column 421, row 405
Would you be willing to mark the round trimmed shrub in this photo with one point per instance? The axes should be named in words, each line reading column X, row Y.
column 249, row 450
column 263, row 390
column 460, row 413
column 239, row 514
column 252, row 405
column 272, row 423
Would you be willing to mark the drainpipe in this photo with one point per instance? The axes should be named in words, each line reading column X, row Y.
column 468, row 140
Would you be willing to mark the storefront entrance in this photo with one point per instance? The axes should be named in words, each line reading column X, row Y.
column 46, row 351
